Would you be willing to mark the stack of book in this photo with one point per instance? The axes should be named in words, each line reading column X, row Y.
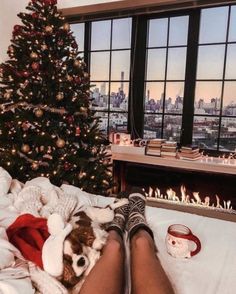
column 154, row 147
column 169, row 149
column 189, row 153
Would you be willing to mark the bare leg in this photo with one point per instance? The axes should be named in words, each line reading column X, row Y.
column 147, row 273
column 107, row 276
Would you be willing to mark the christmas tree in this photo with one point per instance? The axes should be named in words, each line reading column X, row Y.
column 47, row 127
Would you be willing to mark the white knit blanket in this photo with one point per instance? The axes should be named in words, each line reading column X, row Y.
column 212, row 271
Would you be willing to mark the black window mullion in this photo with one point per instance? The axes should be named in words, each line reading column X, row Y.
column 87, row 43
column 166, row 65
column 190, row 78
column 223, row 81
column 137, row 76
column 109, row 83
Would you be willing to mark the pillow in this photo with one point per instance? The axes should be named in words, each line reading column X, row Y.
column 5, row 182
column 83, row 197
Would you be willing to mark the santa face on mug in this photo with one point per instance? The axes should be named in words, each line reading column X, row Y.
column 177, row 247
column 181, row 242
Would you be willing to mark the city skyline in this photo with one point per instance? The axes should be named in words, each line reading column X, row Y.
column 174, row 92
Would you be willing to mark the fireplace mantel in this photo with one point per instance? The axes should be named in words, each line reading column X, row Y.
column 204, row 165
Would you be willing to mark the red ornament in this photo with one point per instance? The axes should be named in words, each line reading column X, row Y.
column 17, row 28
column 77, row 131
column 35, row 15
column 74, row 45
column 77, row 80
column 35, row 66
column 67, row 166
column 70, row 119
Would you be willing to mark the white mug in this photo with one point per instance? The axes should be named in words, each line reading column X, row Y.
column 178, row 241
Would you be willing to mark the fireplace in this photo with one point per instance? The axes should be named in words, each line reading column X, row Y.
column 177, row 186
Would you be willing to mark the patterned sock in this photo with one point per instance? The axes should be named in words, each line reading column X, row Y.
column 121, row 215
column 136, row 219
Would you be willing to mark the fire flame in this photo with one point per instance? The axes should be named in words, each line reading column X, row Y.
column 184, row 198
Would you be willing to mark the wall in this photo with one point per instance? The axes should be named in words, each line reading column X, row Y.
column 8, row 17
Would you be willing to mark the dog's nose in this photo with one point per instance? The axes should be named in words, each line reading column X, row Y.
column 81, row 261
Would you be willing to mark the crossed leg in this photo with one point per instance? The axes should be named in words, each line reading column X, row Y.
column 107, row 276
column 147, row 274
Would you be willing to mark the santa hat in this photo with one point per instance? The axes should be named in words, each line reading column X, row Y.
column 52, row 252
column 28, row 234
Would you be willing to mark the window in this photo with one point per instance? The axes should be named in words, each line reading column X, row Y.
column 165, row 77
column 214, row 125
column 183, row 75
column 110, row 72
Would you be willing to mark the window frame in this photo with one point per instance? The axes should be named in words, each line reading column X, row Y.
column 136, row 109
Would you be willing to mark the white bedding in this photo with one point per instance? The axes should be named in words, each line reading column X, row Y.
column 212, row 271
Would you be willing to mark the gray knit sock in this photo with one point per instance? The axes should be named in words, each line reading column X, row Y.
column 120, row 218
column 136, row 219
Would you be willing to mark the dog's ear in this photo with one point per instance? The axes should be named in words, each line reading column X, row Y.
column 67, row 258
column 83, row 219
column 86, row 235
column 69, row 278
column 75, row 242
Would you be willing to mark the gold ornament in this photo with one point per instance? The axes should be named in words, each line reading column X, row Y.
column 38, row 113
column 86, row 75
column 35, row 165
column 60, row 96
column 48, row 29
column 25, row 148
column 66, row 27
column 60, row 143
column 34, row 55
column 77, row 63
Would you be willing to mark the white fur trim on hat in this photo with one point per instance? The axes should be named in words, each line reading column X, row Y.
column 52, row 252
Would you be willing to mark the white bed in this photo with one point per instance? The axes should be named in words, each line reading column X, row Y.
column 212, row 271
